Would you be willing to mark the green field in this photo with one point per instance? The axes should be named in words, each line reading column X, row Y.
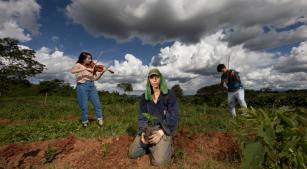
column 32, row 120
column 28, row 119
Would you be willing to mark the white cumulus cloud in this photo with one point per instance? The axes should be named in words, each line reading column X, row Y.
column 19, row 17
column 193, row 66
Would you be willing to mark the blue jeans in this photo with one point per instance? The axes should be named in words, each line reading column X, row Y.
column 86, row 91
column 233, row 97
column 160, row 153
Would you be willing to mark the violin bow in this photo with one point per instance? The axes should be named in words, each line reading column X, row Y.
column 100, row 54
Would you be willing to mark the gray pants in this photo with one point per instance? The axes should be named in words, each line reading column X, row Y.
column 232, row 97
column 160, row 153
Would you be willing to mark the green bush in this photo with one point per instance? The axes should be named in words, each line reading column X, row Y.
column 275, row 139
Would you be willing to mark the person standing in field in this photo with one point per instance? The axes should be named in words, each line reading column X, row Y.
column 234, row 86
column 160, row 103
column 86, row 89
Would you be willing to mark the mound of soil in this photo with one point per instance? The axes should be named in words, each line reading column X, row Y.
column 73, row 152
column 216, row 145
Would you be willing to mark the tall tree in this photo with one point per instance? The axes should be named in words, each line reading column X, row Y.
column 126, row 87
column 16, row 63
column 210, row 90
column 177, row 90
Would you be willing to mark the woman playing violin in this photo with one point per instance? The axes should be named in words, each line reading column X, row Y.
column 86, row 73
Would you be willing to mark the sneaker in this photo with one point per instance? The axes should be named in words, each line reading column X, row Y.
column 84, row 124
column 100, row 122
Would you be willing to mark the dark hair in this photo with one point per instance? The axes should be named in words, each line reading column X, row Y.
column 220, row 67
column 83, row 56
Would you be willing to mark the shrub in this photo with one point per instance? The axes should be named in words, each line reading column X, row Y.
column 275, row 139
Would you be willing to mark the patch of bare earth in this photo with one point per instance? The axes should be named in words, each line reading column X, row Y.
column 73, row 152
column 9, row 121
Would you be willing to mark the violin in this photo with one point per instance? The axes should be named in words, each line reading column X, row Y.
column 97, row 68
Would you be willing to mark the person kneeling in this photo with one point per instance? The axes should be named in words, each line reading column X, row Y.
column 158, row 107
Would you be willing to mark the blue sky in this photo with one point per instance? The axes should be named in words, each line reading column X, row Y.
column 72, row 38
column 287, row 47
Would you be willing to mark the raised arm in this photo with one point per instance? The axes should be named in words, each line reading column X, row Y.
column 77, row 69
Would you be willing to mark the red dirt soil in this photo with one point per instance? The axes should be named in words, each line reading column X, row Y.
column 73, row 152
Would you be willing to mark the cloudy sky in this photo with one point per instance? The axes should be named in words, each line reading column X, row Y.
column 266, row 40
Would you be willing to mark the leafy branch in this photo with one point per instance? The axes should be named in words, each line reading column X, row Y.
column 150, row 118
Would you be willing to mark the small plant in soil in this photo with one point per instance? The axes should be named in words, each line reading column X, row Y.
column 49, row 154
column 105, row 150
column 180, row 156
column 150, row 128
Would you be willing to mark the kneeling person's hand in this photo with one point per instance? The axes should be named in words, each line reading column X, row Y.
column 156, row 136
column 143, row 139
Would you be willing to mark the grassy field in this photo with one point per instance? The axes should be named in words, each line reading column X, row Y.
column 201, row 128
column 29, row 119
